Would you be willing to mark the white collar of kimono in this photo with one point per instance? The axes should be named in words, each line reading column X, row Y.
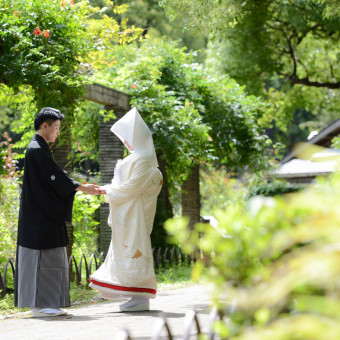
column 132, row 128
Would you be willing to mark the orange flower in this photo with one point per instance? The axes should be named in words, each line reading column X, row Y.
column 133, row 86
column 37, row 31
column 46, row 33
column 16, row 13
column 71, row 2
column 63, row 2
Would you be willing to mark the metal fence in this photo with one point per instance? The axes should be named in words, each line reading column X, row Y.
column 163, row 258
column 3, row 279
column 191, row 330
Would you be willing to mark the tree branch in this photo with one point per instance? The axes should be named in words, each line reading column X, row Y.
column 331, row 68
column 307, row 82
column 294, row 80
column 303, row 35
column 292, row 55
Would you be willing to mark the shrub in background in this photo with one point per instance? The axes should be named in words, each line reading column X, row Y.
column 274, row 264
column 9, row 201
column 84, row 222
column 275, row 188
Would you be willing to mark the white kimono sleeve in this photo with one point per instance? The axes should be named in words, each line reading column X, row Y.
column 133, row 187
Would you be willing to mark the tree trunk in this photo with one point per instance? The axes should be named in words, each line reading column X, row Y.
column 191, row 202
column 163, row 211
column 191, row 199
column 164, row 194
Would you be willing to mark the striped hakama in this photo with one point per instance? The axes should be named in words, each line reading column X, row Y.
column 42, row 278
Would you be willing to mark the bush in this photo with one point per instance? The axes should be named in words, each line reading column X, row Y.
column 219, row 189
column 276, row 188
column 84, row 224
column 9, row 201
column 9, row 210
column 274, row 263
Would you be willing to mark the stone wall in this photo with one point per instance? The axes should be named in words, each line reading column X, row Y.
column 111, row 149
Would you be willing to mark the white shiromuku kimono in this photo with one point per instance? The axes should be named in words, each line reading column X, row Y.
column 128, row 268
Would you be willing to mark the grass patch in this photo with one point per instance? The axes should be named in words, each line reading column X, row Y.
column 169, row 278
column 174, row 277
column 7, row 305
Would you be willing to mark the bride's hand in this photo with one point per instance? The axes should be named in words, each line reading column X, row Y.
column 91, row 189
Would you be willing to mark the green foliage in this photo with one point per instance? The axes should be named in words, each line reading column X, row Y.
column 218, row 189
column 285, row 51
column 209, row 17
column 50, row 47
column 7, row 305
column 84, row 222
column 275, row 188
column 147, row 14
column 332, row 7
column 174, row 277
column 85, row 132
column 9, row 209
column 285, row 70
column 269, row 37
column 277, row 27
column 41, row 42
column 9, row 201
column 336, row 143
column 41, row 45
column 276, row 261
column 13, row 105
column 154, row 75
column 194, row 118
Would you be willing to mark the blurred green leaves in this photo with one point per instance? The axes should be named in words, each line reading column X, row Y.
column 275, row 262
column 84, row 222
column 195, row 118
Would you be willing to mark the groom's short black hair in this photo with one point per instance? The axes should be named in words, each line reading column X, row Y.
column 47, row 114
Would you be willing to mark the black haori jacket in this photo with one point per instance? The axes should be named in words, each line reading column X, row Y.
column 46, row 199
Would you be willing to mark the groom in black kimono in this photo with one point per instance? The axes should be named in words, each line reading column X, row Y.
column 42, row 275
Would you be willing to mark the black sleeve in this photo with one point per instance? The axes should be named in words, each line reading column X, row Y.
column 54, row 176
column 51, row 186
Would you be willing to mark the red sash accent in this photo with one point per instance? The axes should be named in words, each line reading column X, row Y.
column 125, row 289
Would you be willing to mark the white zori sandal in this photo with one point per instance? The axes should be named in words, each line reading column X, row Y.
column 42, row 312
column 135, row 304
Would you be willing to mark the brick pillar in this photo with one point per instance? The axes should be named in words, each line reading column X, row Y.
column 191, row 200
column 111, row 149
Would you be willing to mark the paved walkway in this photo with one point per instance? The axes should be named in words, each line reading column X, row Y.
column 103, row 320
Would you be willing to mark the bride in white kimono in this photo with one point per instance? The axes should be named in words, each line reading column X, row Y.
column 128, row 268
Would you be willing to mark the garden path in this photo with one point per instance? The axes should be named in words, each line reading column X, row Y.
column 103, row 320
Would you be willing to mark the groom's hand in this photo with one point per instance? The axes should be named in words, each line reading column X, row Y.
column 91, row 189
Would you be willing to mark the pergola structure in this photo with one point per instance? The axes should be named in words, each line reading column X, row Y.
column 110, row 147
